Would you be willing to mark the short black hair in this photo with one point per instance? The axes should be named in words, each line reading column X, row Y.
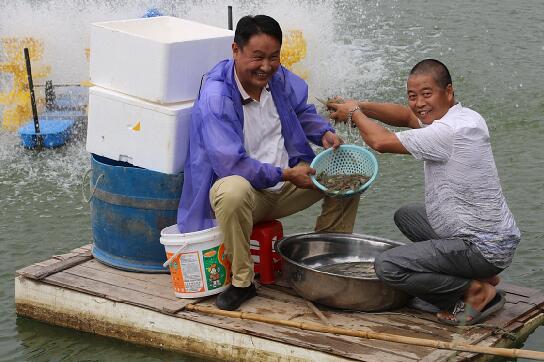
column 437, row 69
column 253, row 25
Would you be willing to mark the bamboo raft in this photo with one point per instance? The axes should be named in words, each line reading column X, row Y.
column 74, row 290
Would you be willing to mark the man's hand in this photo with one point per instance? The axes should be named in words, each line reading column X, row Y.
column 341, row 110
column 299, row 176
column 330, row 139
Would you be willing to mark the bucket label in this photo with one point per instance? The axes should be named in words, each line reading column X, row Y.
column 217, row 267
column 191, row 273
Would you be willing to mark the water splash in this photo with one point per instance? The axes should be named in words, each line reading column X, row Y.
column 351, row 63
column 337, row 61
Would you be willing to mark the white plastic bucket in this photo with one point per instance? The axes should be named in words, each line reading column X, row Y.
column 197, row 261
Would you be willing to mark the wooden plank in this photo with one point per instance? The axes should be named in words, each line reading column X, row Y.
column 518, row 290
column 490, row 330
column 408, row 322
column 400, row 325
column 524, row 318
column 277, row 309
column 274, row 293
column 318, row 313
column 404, row 321
column 506, row 319
column 163, row 279
column 496, row 340
column 154, row 292
column 116, row 293
column 476, row 339
column 404, row 318
column 348, row 347
column 474, row 334
column 69, row 308
column 537, row 301
column 124, row 281
column 515, row 294
column 56, row 264
column 284, row 289
column 521, row 335
column 515, row 298
column 509, row 313
column 300, row 311
column 372, row 354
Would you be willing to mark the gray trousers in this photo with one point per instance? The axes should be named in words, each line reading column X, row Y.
column 436, row 270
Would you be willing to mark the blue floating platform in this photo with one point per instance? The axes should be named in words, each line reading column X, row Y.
column 54, row 132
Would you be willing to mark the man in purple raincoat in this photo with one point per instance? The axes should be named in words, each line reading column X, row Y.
column 249, row 154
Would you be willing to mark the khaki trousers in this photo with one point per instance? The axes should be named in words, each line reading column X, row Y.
column 238, row 206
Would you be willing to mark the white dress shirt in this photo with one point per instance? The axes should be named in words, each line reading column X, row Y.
column 263, row 140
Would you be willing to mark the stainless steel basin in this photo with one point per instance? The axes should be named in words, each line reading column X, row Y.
column 337, row 270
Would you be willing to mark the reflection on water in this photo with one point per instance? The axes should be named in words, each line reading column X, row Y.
column 355, row 49
column 44, row 342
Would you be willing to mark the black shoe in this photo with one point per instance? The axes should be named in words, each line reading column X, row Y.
column 233, row 297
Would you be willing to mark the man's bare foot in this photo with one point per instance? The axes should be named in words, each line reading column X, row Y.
column 478, row 295
column 494, row 280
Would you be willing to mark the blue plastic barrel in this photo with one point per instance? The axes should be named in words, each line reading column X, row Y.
column 129, row 208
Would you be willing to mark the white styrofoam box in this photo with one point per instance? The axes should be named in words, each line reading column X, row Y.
column 145, row 134
column 160, row 59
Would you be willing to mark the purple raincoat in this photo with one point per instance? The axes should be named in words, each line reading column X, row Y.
column 216, row 139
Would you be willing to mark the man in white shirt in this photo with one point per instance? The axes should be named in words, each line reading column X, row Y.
column 464, row 234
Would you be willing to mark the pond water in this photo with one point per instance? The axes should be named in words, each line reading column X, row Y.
column 360, row 49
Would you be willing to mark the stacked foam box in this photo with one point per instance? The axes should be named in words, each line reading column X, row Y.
column 147, row 73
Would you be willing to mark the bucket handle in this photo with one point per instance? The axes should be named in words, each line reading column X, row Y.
column 93, row 189
column 171, row 259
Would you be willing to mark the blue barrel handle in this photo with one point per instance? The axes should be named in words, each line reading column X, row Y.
column 93, row 189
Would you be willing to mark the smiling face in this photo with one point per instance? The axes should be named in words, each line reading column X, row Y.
column 427, row 99
column 256, row 62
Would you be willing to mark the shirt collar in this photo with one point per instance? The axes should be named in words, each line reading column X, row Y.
column 245, row 98
column 453, row 109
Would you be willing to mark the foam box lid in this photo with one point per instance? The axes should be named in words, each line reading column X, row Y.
column 165, row 29
column 168, row 109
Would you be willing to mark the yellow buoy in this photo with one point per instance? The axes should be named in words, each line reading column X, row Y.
column 17, row 99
